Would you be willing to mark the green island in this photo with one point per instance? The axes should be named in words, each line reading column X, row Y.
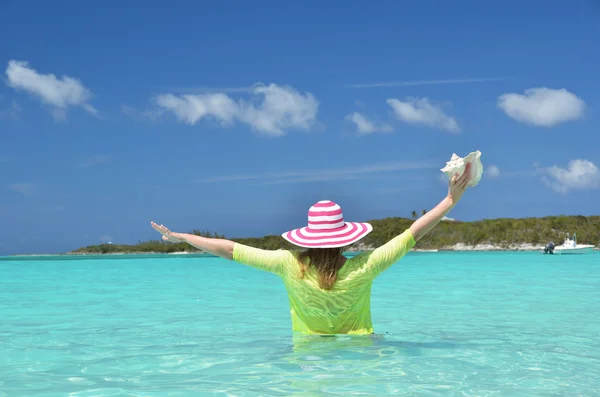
column 487, row 234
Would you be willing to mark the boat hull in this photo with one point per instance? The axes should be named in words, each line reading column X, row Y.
column 570, row 251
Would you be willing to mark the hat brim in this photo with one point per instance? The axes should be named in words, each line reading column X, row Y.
column 348, row 234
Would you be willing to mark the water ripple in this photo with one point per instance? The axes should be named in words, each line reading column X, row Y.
column 450, row 325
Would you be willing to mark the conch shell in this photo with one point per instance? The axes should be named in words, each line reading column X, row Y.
column 458, row 164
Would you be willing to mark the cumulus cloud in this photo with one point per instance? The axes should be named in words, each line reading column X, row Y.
column 493, row 171
column 366, row 126
column 272, row 111
column 542, row 107
column 422, row 111
column 192, row 108
column 26, row 189
column 60, row 93
column 578, row 175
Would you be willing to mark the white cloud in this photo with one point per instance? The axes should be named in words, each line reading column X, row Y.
column 493, row 171
column 60, row 93
column 273, row 110
column 192, row 108
column 322, row 175
column 542, row 107
column 366, row 126
column 578, row 175
column 26, row 189
column 422, row 82
column 422, row 111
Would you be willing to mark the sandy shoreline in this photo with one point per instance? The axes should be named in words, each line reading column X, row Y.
column 494, row 247
column 461, row 247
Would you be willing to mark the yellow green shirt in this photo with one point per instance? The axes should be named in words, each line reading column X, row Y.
column 346, row 308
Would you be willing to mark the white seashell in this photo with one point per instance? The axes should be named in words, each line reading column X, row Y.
column 458, row 164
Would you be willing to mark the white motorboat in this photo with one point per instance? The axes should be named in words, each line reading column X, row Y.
column 569, row 246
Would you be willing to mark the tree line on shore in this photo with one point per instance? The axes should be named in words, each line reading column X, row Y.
column 501, row 232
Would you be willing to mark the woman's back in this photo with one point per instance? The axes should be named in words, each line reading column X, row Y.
column 345, row 308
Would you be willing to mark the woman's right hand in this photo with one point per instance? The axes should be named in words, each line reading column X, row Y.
column 458, row 184
column 456, row 188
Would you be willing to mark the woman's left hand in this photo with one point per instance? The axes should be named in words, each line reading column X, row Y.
column 167, row 235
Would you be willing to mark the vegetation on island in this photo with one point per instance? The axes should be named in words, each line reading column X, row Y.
column 503, row 232
column 143, row 247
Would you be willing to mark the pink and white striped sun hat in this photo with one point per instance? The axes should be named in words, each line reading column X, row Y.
column 327, row 229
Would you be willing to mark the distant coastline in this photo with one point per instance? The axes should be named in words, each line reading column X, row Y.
column 456, row 248
column 503, row 234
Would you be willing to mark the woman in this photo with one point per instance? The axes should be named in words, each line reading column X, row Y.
column 328, row 293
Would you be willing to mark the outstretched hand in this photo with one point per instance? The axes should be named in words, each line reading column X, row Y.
column 456, row 188
column 167, row 235
column 458, row 184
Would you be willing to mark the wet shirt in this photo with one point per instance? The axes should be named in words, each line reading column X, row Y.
column 346, row 308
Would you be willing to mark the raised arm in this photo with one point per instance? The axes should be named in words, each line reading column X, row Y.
column 385, row 256
column 267, row 260
column 216, row 246
column 456, row 188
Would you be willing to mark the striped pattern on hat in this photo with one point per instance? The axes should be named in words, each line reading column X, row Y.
column 327, row 228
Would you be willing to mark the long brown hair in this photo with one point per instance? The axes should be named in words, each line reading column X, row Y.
column 325, row 260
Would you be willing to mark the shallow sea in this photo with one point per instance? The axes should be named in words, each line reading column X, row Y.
column 448, row 324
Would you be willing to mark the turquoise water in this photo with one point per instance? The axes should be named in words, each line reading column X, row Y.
column 449, row 324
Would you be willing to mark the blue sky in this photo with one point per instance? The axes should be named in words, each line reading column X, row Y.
column 236, row 117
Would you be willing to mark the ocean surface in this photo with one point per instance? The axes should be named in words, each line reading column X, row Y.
column 448, row 324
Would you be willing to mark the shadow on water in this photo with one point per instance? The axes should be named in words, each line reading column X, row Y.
column 316, row 363
column 302, row 348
